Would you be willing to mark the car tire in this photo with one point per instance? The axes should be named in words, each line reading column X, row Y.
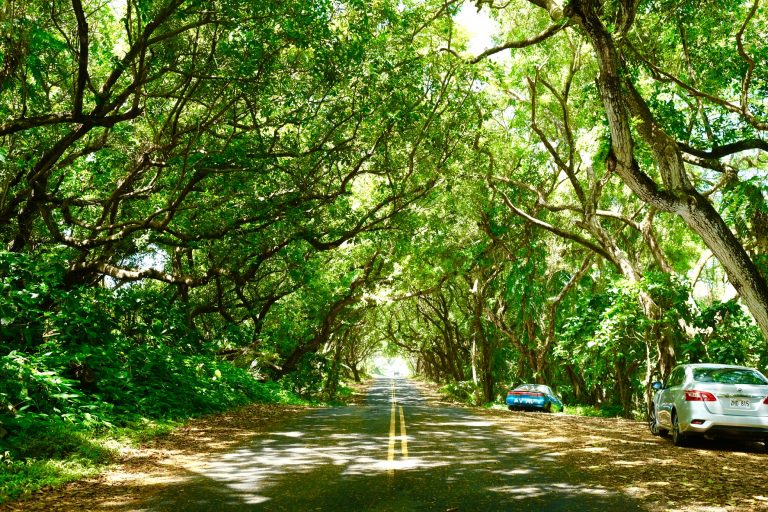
column 678, row 438
column 653, row 426
column 548, row 407
column 511, row 408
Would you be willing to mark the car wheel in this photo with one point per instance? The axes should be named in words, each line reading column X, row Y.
column 548, row 407
column 678, row 438
column 511, row 408
column 653, row 426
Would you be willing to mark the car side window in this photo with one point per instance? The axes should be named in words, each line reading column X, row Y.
column 677, row 377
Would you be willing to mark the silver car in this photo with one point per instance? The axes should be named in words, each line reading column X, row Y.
column 711, row 400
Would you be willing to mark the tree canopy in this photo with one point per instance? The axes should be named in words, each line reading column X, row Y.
column 295, row 186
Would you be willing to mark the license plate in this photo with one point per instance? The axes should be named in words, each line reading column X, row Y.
column 741, row 404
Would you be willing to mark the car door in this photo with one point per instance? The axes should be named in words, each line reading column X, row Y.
column 671, row 390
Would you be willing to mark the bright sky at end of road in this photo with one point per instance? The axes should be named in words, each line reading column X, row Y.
column 391, row 366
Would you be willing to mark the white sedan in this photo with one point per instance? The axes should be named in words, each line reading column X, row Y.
column 711, row 400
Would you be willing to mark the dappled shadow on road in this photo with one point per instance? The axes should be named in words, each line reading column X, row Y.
column 347, row 459
column 450, row 459
column 454, row 463
column 707, row 476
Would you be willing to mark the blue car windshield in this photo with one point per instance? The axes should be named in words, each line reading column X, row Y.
column 729, row 376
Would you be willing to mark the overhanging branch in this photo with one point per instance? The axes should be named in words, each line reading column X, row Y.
column 719, row 152
column 523, row 43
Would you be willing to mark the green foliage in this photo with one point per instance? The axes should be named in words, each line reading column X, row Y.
column 299, row 187
column 745, row 208
column 19, row 478
column 595, row 412
column 608, row 338
column 307, row 380
column 726, row 334
column 88, row 361
column 463, row 391
column 129, row 382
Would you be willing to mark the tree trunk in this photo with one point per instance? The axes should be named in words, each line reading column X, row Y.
column 624, row 107
column 355, row 372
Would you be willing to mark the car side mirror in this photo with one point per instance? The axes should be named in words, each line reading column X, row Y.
column 657, row 385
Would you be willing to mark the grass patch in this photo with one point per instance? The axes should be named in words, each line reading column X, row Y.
column 144, row 431
column 594, row 412
column 23, row 478
column 55, row 454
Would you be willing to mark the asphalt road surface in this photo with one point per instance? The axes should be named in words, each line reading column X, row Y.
column 396, row 452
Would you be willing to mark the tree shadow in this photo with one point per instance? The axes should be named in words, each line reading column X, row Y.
column 339, row 460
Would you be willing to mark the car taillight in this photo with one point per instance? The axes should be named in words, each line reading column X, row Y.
column 694, row 395
column 525, row 393
column 765, row 401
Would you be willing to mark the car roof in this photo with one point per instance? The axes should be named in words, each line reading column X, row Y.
column 715, row 365
column 530, row 384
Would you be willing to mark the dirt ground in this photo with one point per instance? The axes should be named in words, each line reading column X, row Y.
column 618, row 454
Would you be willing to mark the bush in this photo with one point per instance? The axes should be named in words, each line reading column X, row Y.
column 52, row 424
column 464, row 391
column 80, row 365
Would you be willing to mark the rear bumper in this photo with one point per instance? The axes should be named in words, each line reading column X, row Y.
column 527, row 404
column 729, row 426
column 759, row 433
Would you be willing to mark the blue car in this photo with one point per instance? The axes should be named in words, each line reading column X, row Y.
column 533, row 397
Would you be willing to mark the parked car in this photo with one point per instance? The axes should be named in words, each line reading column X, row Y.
column 537, row 397
column 711, row 400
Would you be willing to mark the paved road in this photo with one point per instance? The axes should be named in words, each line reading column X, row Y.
column 394, row 453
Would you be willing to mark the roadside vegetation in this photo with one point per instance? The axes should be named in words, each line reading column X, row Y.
column 209, row 204
column 114, row 368
column 468, row 393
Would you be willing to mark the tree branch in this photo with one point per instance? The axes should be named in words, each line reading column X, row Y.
column 82, row 57
column 553, row 229
column 719, row 152
column 523, row 43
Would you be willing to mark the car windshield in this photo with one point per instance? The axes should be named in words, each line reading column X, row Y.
column 729, row 376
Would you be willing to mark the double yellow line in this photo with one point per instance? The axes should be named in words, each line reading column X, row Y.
column 393, row 431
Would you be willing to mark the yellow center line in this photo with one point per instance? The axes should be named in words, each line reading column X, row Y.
column 393, row 432
column 392, row 426
column 403, row 436
column 391, row 452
